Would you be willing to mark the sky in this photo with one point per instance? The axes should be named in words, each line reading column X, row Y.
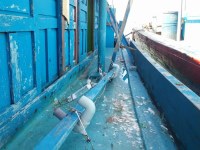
column 143, row 10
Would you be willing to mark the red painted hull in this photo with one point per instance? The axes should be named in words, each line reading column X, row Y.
column 183, row 66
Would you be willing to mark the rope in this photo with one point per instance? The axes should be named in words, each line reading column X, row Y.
column 128, row 47
column 81, row 122
column 88, row 140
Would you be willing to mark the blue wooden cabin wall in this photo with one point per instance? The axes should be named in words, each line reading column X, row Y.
column 28, row 36
column 28, row 42
column 96, row 22
column 29, row 57
column 82, row 18
column 70, row 35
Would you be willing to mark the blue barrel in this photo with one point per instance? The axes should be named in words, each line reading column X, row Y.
column 169, row 26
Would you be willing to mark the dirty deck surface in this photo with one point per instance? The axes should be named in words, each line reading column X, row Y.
column 114, row 126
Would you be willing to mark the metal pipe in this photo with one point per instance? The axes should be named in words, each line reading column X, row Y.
column 85, row 117
column 102, row 34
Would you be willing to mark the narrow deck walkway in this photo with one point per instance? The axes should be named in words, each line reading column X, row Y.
column 115, row 125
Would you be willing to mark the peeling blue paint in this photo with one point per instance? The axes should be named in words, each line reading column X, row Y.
column 29, row 56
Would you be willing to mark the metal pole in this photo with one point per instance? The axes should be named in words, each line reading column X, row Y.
column 102, row 34
column 119, row 38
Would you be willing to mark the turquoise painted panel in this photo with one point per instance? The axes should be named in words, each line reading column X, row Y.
column 83, row 16
column 28, row 59
column 96, row 39
column 82, row 25
column 72, row 2
column 81, row 42
column 21, row 6
column 52, row 54
column 7, row 130
column 43, row 57
column 46, row 22
column 29, row 56
column 85, row 41
column 109, row 37
column 86, row 45
column 67, row 50
column 72, row 12
column 4, row 75
column 70, row 36
column 96, row 24
column 12, row 23
column 21, row 54
column 110, row 30
column 72, row 46
column 46, row 7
